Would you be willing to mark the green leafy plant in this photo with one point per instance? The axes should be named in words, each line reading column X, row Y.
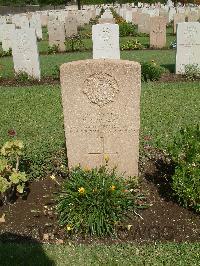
column 126, row 29
column 74, row 43
column 132, row 45
column 185, row 153
column 56, row 72
column 192, row 72
column 22, row 76
column 94, row 201
column 151, row 71
column 52, row 49
column 11, row 179
column 6, row 53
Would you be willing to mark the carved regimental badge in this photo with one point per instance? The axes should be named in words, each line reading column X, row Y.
column 101, row 88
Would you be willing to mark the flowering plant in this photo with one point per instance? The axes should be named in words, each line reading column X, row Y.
column 93, row 201
column 11, row 179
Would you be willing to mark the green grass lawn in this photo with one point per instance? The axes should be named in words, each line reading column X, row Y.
column 36, row 114
column 121, row 254
column 48, row 62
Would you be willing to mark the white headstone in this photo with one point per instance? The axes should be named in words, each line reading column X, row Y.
column 25, row 52
column 105, row 39
column 35, row 23
column 7, row 36
column 188, row 45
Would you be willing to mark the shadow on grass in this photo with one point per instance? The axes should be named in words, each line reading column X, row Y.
column 22, row 250
column 159, row 171
column 170, row 67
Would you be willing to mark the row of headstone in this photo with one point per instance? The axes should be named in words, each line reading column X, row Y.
column 58, row 30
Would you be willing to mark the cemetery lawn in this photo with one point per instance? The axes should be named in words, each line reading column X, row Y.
column 122, row 254
column 166, row 58
column 35, row 112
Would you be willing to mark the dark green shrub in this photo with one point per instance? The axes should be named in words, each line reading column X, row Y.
column 6, row 53
column 132, row 45
column 192, row 72
column 95, row 201
column 74, row 43
column 151, row 71
column 56, row 72
column 126, row 29
column 53, row 49
column 185, row 153
column 22, row 76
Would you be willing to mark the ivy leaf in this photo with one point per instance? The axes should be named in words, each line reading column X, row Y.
column 20, row 188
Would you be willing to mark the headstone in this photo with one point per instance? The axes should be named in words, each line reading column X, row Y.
column 188, row 45
column 193, row 16
column 71, row 26
column 35, row 23
column 128, row 15
column 105, row 39
column 44, row 20
column 178, row 18
column 144, row 23
column 158, row 32
column 56, row 31
column 23, row 22
column 7, row 36
column 101, row 103
column 136, row 17
column 25, row 52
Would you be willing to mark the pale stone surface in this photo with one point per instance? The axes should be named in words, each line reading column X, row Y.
column 25, row 52
column 136, row 17
column 71, row 25
column 128, row 15
column 193, row 16
column 106, row 20
column 101, row 103
column 188, row 45
column 7, row 36
column 44, row 20
column 158, row 32
column 105, row 39
column 178, row 18
column 35, row 23
column 56, row 32
column 144, row 23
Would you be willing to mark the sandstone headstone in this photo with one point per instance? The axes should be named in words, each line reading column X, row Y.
column 158, row 32
column 25, row 52
column 56, row 32
column 101, row 103
column 71, row 26
column 144, row 23
column 105, row 39
column 188, row 45
column 136, row 17
column 178, row 18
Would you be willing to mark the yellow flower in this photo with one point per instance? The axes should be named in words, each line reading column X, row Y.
column 112, row 187
column 86, row 169
column 68, row 227
column 53, row 177
column 81, row 190
column 152, row 61
column 106, row 158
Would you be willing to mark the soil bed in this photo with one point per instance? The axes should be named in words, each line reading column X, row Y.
column 164, row 221
column 7, row 82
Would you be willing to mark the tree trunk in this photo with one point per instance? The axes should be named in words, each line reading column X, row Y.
column 79, row 4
